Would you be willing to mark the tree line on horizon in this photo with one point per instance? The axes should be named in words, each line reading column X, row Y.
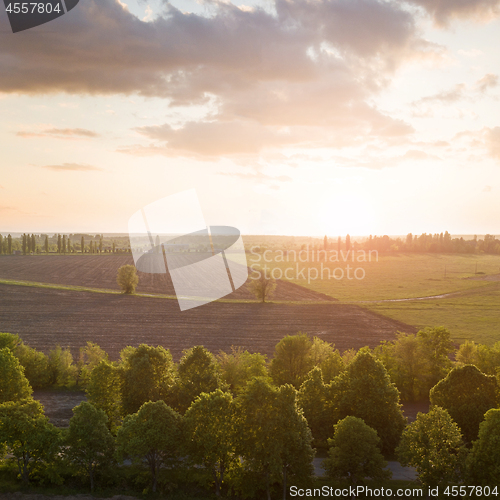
column 245, row 421
column 61, row 244
column 425, row 243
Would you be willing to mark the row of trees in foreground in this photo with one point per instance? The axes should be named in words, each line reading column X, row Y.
column 239, row 426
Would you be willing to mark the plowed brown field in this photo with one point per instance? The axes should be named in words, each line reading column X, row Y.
column 46, row 317
column 99, row 271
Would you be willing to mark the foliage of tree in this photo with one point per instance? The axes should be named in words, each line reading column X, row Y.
column 467, row 353
column 483, row 462
column 467, row 394
column 30, row 438
column 407, row 366
column 148, row 375
column 365, row 391
column 82, row 244
column 240, row 366
column 262, row 287
column 35, row 364
column 153, row 435
column 9, row 340
column 417, row 362
column 62, row 371
column 90, row 356
column 327, row 358
column 433, row 445
column 354, row 453
column 14, row 385
column 274, row 439
column 198, row 372
column 210, row 434
column 313, row 398
column 104, row 392
column 46, row 244
column 292, row 360
column 127, row 278
column 436, row 347
column 488, row 358
column 89, row 442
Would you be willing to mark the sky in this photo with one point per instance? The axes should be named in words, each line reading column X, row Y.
column 294, row 117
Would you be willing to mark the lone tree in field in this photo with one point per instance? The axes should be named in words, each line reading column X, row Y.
column 262, row 287
column 127, row 278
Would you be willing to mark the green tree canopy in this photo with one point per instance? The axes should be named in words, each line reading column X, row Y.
column 35, row 364
column 13, row 384
column 467, row 394
column 153, row 434
column 292, row 360
column 9, row 340
column 483, row 462
column 198, row 372
column 89, row 442
column 406, row 362
column 210, row 434
column 365, row 391
column 30, row 438
column 239, row 367
column 313, row 398
column 436, row 347
column 127, row 278
column 354, row 452
column 274, row 439
column 327, row 358
column 62, row 371
column 90, row 356
column 104, row 392
column 148, row 375
column 433, row 445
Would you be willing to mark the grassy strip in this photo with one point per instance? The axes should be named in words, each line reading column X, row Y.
column 72, row 288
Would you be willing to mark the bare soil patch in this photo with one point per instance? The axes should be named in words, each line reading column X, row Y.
column 59, row 404
column 44, row 318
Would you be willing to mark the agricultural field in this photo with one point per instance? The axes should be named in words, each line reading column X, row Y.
column 397, row 276
column 45, row 317
column 411, row 289
column 460, row 292
column 99, row 272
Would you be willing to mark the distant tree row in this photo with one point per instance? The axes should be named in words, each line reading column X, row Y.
column 62, row 244
column 434, row 243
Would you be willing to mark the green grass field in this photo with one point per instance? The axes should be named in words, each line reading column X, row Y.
column 473, row 312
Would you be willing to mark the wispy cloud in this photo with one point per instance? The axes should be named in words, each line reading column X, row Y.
column 61, row 133
column 73, row 167
column 444, row 11
column 487, row 82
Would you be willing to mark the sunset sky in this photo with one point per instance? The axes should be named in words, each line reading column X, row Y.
column 305, row 117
